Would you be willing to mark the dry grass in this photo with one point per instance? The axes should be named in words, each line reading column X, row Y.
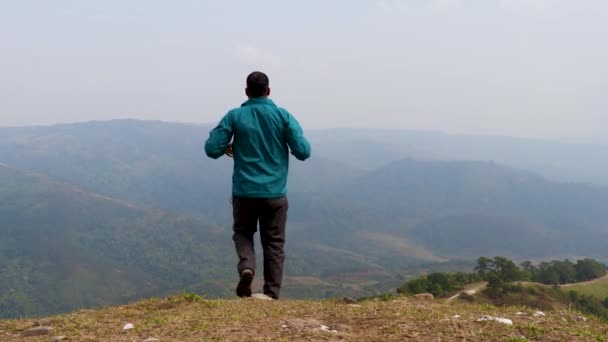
column 191, row 318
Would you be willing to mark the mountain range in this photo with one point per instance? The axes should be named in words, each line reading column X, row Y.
column 100, row 213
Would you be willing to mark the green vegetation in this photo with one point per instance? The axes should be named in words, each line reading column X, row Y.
column 501, row 274
column 499, row 270
column 597, row 289
column 439, row 283
column 502, row 270
column 63, row 249
column 564, row 272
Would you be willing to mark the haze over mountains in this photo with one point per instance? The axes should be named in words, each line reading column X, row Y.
column 103, row 212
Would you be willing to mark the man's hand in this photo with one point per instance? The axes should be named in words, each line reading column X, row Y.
column 229, row 151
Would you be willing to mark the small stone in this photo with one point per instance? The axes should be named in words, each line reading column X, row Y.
column 425, row 296
column 37, row 331
column 349, row 300
column 128, row 326
column 325, row 328
column 152, row 339
column 59, row 338
column 538, row 314
column 456, row 316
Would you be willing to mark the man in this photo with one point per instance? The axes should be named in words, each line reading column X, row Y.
column 263, row 136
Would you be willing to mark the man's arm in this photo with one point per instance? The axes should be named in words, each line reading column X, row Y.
column 298, row 145
column 219, row 138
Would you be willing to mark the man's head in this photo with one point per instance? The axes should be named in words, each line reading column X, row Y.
column 257, row 85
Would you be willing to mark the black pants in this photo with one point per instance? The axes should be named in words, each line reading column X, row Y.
column 272, row 217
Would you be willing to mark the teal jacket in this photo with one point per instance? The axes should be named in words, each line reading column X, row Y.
column 263, row 135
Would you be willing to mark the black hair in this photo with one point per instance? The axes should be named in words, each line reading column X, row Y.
column 257, row 84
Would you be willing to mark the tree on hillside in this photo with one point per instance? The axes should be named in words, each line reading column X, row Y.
column 588, row 269
column 499, row 270
column 415, row 286
column 555, row 272
column 546, row 274
column 507, row 270
column 484, row 266
column 529, row 267
column 564, row 272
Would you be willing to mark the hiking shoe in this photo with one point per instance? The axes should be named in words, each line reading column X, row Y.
column 243, row 289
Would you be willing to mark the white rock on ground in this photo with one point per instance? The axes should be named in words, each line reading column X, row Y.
column 538, row 314
column 59, row 338
column 128, row 326
column 325, row 328
column 311, row 325
column 496, row 319
column 152, row 339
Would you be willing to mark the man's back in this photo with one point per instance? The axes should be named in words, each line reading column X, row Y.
column 263, row 134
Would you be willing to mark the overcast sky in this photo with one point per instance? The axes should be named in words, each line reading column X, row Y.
column 534, row 68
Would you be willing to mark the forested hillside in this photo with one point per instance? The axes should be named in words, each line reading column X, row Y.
column 98, row 194
column 62, row 248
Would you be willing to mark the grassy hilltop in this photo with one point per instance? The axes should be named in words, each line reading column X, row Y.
column 192, row 318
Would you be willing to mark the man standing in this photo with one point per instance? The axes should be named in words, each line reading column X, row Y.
column 263, row 136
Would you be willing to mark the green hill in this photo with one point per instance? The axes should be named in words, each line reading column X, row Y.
column 63, row 248
column 597, row 288
column 463, row 209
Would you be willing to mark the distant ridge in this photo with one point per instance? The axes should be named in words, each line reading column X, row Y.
column 69, row 187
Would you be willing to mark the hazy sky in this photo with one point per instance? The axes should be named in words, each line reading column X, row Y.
column 536, row 68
